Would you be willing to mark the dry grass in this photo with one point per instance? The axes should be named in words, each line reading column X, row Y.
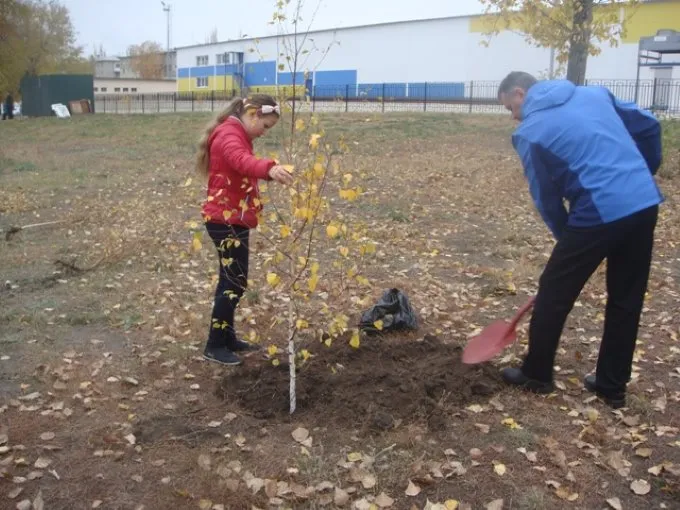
column 115, row 292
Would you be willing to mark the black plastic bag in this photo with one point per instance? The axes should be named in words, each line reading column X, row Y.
column 395, row 312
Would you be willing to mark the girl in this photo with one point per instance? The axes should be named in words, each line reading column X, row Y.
column 225, row 157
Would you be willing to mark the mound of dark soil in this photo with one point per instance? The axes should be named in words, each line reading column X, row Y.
column 387, row 380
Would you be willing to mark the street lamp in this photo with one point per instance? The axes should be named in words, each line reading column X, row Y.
column 166, row 9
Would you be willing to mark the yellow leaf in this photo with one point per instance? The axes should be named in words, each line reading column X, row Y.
column 363, row 280
column 315, row 268
column 272, row 350
column 299, row 125
column 305, row 354
column 332, row 231
column 355, row 341
column 511, row 423
column 451, row 504
column 276, row 362
column 285, row 231
column 378, row 324
column 289, row 168
column 196, row 241
column 344, row 251
column 301, row 324
column 318, row 170
column 314, row 140
column 346, row 179
column 273, row 279
column 499, row 469
column 188, row 182
column 348, row 194
column 312, row 283
column 328, row 342
column 354, row 457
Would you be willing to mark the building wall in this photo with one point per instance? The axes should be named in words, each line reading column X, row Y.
column 407, row 54
column 133, row 86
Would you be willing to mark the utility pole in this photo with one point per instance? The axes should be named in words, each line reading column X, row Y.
column 166, row 9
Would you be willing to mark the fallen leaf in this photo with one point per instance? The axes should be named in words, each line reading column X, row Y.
column 205, row 504
column 14, row 493
column 130, row 438
column 483, row 428
column 565, row 494
column 368, row 481
column 640, row 487
column 496, row 504
column 499, row 468
column 47, row 436
column 97, row 503
column 24, row 505
column 384, row 501
column 214, row 424
column 341, row 497
column 204, row 462
column 615, row 503
column 42, row 462
column 354, row 457
column 300, row 434
column 412, row 489
column 475, row 408
column 645, row 453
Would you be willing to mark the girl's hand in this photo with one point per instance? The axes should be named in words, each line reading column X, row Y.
column 281, row 175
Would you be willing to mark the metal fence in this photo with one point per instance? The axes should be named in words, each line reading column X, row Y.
column 661, row 96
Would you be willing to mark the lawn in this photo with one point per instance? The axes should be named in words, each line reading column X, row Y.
column 106, row 402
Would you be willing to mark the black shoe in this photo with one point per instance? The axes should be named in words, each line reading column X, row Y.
column 221, row 355
column 237, row 345
column 516, row 377
column 616, row 401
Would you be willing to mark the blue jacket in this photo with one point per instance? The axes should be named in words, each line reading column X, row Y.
column 583, row 145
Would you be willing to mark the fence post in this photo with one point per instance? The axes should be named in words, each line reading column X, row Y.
column 104, row 104
column 174, row 102
column 313, row 98
column 383, row 98
column 143, row 103
column 158, row 100
column 425, row 99
column 212, row 100
column 472, row 86
column 192, row 100
column 653, row 105
column 346, row 98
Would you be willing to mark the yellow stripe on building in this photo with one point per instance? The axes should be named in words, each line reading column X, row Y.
column 642, row 20
column 216, row 83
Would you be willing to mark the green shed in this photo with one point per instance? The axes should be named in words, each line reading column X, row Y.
column 39, row 93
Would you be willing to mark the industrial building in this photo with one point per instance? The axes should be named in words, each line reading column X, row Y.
column 435, row 57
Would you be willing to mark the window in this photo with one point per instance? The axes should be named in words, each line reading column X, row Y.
column 96, row 89
column 223, row 59
column 202, row 60
column 103, row 89
column 117, row 89
column 202, row 83
column 125, row 89
column 133, row 89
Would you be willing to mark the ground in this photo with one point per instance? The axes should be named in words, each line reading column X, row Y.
column 106, row 402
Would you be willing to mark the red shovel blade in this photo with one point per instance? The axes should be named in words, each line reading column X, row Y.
column 493, row 338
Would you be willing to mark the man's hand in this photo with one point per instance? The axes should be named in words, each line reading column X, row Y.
column 281, row 175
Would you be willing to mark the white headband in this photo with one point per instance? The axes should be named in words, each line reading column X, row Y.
column 264, row 109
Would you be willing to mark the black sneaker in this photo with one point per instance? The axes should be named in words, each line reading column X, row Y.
column 516, row 377
column 616, row 401
column 221, row 355
column 237, row 345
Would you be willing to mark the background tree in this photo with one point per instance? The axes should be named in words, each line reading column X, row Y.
column 147, row 60
column 37, row 37
column 575, row 29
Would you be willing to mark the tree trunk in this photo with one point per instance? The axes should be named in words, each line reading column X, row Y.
column 579, row 41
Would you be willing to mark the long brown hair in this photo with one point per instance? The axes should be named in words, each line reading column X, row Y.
column 236, row 109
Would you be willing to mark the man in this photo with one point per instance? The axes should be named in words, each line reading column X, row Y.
column 582, row 145
column 8, row 111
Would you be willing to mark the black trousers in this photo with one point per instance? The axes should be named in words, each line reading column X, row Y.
column 627, row 245
column 232, row 250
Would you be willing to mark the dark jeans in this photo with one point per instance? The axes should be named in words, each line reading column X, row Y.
column 232, row 249
column 627, row 245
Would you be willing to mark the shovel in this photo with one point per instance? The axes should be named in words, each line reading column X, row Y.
column 494, row 338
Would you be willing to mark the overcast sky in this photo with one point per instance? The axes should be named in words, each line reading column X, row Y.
column 117, row 24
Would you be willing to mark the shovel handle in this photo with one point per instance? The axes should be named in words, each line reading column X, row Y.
column 521, row 312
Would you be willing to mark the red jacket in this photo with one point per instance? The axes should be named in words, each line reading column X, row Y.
column 233, row 193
